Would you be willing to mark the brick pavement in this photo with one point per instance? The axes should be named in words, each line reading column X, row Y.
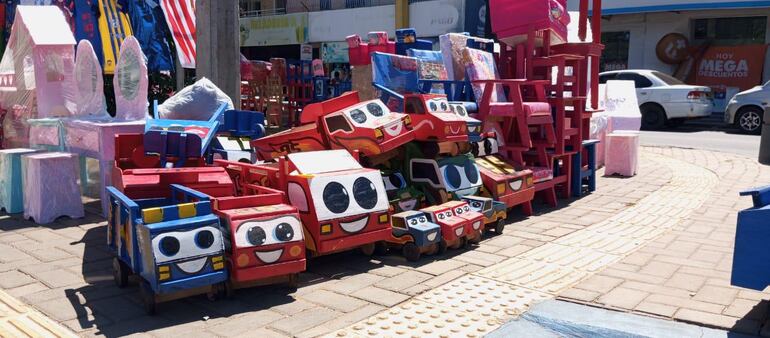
column 45, row 267
column 685, row 274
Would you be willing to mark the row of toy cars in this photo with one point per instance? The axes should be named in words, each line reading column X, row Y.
column 187, row 228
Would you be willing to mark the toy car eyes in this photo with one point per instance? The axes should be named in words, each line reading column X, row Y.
column 433, row 106
column 169, row 246
column 423, row 219
column 441, row 215
column 466, row 208
column 471, row 172
column 461, row 111
column 375, row 109
column 396, row 182
column 284, row 232
column 459, row 211
column 452, row 176
column 413, row 221
column 358, row 115
column 256, row 236
column 204, row 239
column 444, row 106
column 364, row 193
column 336, row 197
column 476, row 205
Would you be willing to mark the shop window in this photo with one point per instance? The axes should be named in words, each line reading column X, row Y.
column 730, row 31
column 615, row 55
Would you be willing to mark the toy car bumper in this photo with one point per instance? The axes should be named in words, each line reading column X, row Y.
column 353, row 241
column 256, row 273
column 518, row 197
column 196, row 281
column 396, row 142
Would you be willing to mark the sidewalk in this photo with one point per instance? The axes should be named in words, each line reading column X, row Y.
column 674, row 220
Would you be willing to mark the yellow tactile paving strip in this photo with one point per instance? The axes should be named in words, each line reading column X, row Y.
column 20, row 320
column 476, row 304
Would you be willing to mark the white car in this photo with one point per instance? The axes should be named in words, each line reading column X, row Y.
column 664, row 99
column 745, row 109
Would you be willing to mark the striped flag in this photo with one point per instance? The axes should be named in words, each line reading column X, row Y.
column 180, row 16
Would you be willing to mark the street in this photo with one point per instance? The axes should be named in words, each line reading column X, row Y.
column 722, row 141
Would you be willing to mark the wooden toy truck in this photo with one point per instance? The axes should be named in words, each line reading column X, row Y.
column 174, row 244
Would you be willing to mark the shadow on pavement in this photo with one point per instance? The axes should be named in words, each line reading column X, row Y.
column 758, row 313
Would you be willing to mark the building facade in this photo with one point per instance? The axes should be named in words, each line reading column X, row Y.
column 704, row 42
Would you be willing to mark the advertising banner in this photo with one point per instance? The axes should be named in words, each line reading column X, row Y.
column 433, row 18
column 306, row 52
column 337, row 25
column 334, row 52
column 732, row 66
column 477, row 18
column 288, row 29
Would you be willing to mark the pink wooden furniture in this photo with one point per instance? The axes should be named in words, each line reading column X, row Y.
column 622, row 153
column 51, row 187
column 513, row 21
column 91, row 131
column 11, row 193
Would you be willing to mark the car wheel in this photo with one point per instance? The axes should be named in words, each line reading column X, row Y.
column 653, row 116
column 148, row 297
column 381, row 248
column 500, row 226
column 750, row 120
column 367, row 249
column 411, row 252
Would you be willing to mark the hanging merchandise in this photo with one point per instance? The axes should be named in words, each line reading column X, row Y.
column 86, row 13
column 114, row 27
column 180, row 17
column 10, row 13
column 148, row 26
column 66, row 8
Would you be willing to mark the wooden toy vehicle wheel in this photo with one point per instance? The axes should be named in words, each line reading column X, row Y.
column 293, row 282
column 120, row 272
column 367, row 249
column 441, row 247
column 148, row 297
column 228, row 289
column 381, row 248
column 411, row 251
column 499, row 226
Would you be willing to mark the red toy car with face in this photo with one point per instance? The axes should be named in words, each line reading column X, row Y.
column 475, row 224
column 341, row 204
column 433, row 119
column 344, row 122
column 502, row 181
column 266, row 238
column 453, row 228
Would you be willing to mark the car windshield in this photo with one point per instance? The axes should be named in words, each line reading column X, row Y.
column 668, row 79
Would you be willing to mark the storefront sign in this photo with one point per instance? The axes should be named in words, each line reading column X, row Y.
column 335, row 52
column 672, row 48
column 734, row 66
column 338, row 24
column 477, row 18
column 610, row 7
column 306, row 52
column 289, row 29
column 433, row 18
column 428, row 18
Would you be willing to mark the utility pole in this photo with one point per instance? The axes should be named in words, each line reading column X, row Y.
column 402, row 14
column 218, row 45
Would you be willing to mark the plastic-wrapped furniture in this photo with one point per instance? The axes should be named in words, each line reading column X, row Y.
column 621, row 106
column 36, row 81
column 11, row 192
column 91, row 131
column 584, row 168
column 51, row 187
column 622, row 153
column 751, row 257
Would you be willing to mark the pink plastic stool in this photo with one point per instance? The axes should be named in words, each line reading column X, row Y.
column 621, row 153
column 51, row 187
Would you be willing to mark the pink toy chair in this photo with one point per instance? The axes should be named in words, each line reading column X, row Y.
column 51, row 187
column 622, row 153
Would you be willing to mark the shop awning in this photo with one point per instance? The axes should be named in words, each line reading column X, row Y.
column 611, row 7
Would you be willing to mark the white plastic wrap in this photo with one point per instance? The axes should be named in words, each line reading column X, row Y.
column 131, row 82
column 622, row 153
column 51, row 187
column 11, row 195
column 197, row 102
column 621, row 106
column 89, row 82
column 36, row 72
column 598, row 131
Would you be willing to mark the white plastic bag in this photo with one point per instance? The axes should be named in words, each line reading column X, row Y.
column 197, row 102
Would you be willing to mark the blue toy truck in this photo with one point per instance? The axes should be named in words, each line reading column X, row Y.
column 415, row 234
column 751, row 258
column 174, row 244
